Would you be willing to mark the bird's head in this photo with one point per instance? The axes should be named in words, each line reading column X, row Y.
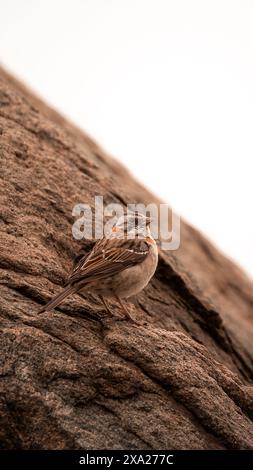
column 133, row 224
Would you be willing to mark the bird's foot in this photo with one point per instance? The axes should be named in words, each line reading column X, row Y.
column 128, row 315
column 135, row 322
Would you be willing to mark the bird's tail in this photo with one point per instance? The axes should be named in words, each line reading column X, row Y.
column 58, row 298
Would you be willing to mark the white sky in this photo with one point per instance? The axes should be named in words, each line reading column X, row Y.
column 166, row 86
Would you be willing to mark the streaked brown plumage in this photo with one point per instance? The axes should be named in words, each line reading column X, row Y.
column 116, row 267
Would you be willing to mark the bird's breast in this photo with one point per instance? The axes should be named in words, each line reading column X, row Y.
column 132, row 280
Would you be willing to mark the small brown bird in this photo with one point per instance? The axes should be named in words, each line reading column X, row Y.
column 117, row 267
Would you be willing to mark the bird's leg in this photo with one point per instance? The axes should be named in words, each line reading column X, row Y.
column 106, row 305
column 126, row 311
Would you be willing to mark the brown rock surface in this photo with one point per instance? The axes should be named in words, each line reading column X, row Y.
column 71, row 378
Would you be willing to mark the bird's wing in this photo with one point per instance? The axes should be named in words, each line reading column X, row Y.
column 108, row 258
column 78, row 262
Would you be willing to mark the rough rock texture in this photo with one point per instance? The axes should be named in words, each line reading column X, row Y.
column 74, row 379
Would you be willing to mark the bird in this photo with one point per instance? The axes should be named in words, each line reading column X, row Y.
column 119, row 266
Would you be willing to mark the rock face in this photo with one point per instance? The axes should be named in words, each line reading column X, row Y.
column 73, row 378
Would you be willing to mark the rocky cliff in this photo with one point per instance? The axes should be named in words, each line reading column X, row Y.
column 73, row 378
